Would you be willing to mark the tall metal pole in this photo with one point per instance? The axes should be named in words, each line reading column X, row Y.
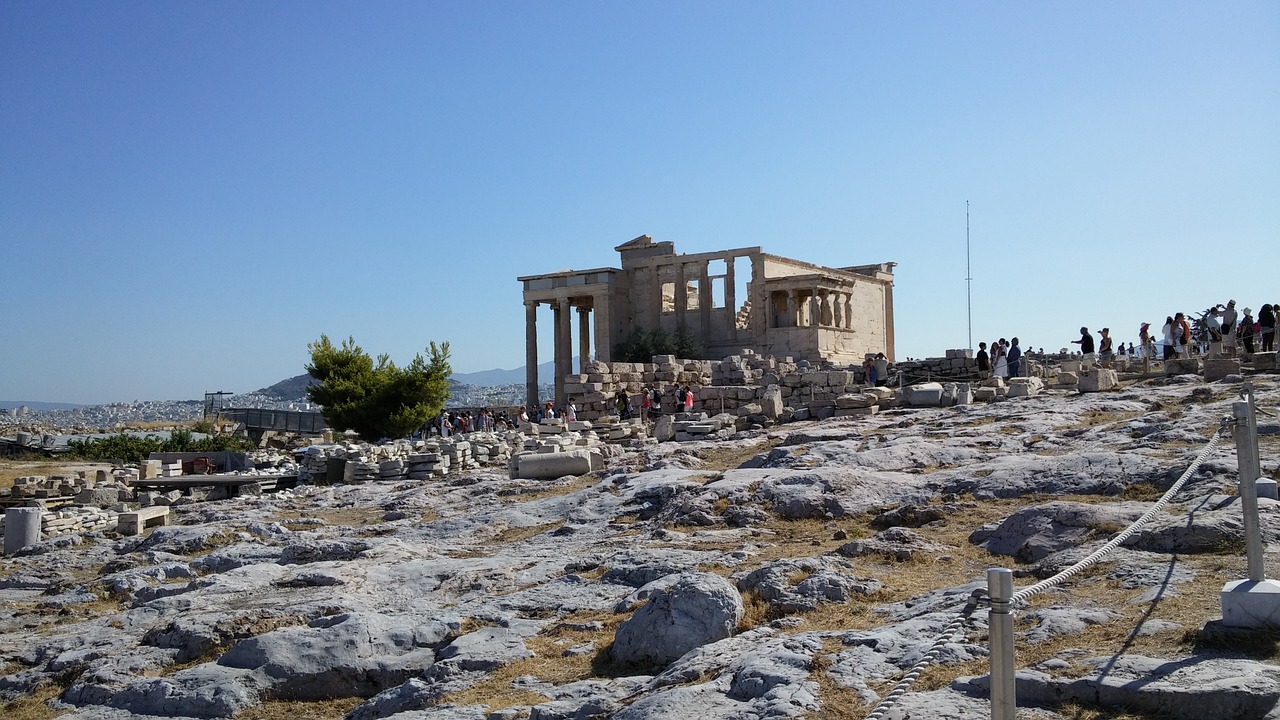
column 968, row 275
column 1004, row 701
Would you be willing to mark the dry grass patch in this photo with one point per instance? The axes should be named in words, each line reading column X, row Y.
column 853, row 615
column 728, row 458
column 578, row 484
column 354, row 516
column 294, row 709
column 16, row 468
column 1143, row 491
column 1075, row 711
column 518, row 534
column 549, row 663
column 835, row 701
column 976, row 421
column 936, row 677
column 34, row 706
column 756, row 611
column 1095, row 419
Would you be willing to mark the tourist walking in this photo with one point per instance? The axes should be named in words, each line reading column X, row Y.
column 1106, row 354
column 1230, row 327
column 1086, row 348
column 1014, row 359
column 1246, row 331
column 1146, row 347
column 1166, row 341
column 1213, row 323
column 984, row 362
column 999, row 362
column 688, row 399
column 1267, row 319
column 1181, row 335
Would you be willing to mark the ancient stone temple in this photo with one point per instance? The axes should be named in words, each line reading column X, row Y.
column 729, row 300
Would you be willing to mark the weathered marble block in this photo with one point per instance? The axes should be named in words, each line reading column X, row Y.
column 1182, row 366
column 1098, row 379
column 1217, row 368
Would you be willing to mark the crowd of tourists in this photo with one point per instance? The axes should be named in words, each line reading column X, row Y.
column 647, row 404
column 1003, row 361
column 1220, row 329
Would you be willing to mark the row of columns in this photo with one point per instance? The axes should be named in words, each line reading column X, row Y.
column 830, row 308
column 682, row 275
column 562, row 343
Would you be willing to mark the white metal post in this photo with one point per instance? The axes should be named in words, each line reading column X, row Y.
column 1004, row 702
column 1245, row 433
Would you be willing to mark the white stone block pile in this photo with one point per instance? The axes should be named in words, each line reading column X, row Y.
column 76, row 519
column 698, row 426
column 53, row 486
column 409, row 459
column 594, row 391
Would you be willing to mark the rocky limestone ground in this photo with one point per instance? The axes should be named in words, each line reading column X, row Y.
column 790, row 573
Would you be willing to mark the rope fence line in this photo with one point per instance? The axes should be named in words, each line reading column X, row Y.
column 979, row 596
column 948, row 633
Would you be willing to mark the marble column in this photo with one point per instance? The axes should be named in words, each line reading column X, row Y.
column 682, row 295
column 837, row 316
column 604, row 338
column 564, row 346
column 759, row 297
column 848, row 311
column 704, row 300
column 889, row 350
column 815, row 309
column 793, row 309
column 531, row 352
column 730, row 301
column 584, row 338
column 655, row 302
column 827, row 318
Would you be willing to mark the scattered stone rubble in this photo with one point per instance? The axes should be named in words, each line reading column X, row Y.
column 439, row 585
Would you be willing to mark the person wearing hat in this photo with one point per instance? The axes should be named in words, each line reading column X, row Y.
column 1246, row 331
column 1213, row 322
column 1229, row 328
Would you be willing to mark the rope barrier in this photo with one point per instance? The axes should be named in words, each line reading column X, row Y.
column 953, row 627
column 979, row 595
column 1116, row 541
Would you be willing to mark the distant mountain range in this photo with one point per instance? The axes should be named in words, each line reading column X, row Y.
column 296, row 387
column 34, row 405
column 491, row 378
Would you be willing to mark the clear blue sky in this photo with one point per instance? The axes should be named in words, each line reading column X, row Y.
column 192, row 192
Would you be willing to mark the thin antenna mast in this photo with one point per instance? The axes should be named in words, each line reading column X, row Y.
column 968, row 275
